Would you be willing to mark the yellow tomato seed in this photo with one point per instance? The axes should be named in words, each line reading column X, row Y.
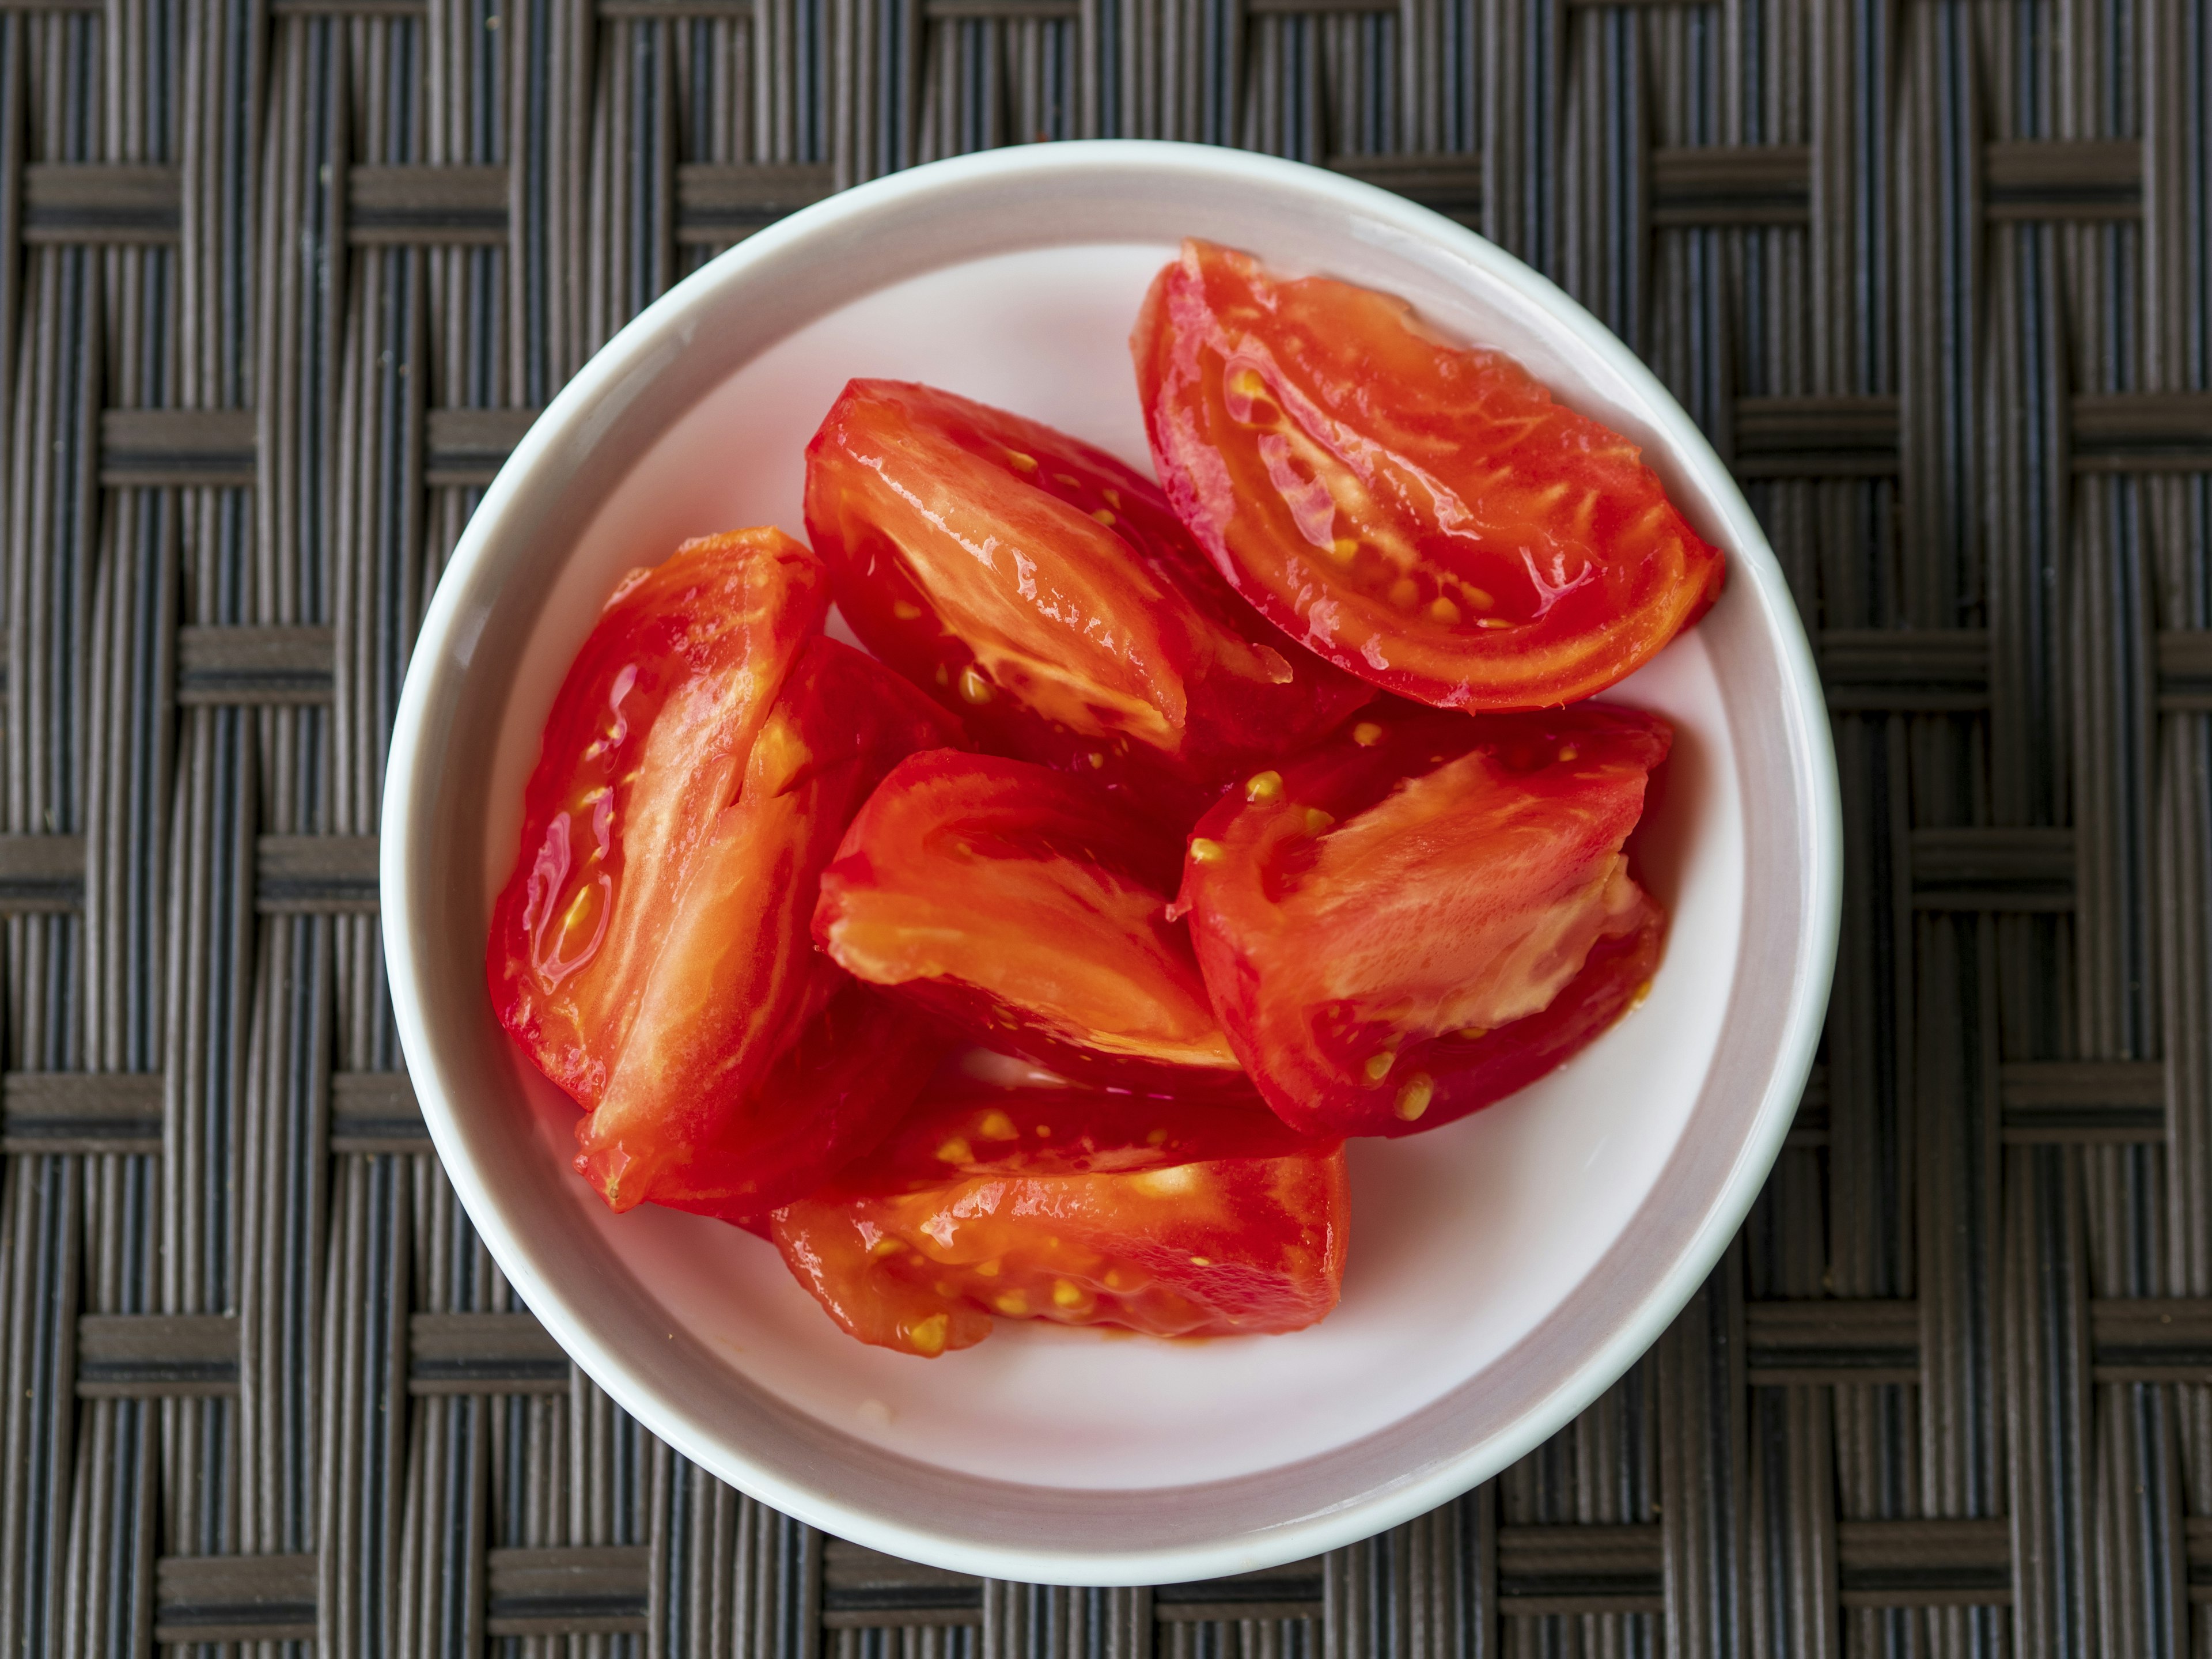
column 1317, row 820
column 987, row 1269
column 1097, row 759
column 1263, row 785
column 1404, row 591
column 1478, row 597
column 1367, row 734
column 1443, row 611
column 928, row 1335
column 997, row 1126
column 1156, row 1138
column 1414, row 1095
column 1065, row 1294
column 886, row 1246
column 1112, row 498
column 1021, row 463
column 904, row 610
column 1169, row 1183
column 1201, row 1262
column 1569, row 753
column 1248, row 383
column 1379, row 1064
column 1203, row 851
column 974, row 688
column 1015, row 1303
column 1472, row 1033
column 956, row 1151
column 1103, row 515
column 1343, row 550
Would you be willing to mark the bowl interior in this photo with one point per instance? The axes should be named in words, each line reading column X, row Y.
column 1498, row 1265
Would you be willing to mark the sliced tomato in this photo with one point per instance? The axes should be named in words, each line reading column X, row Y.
column 1085, row 1226
column 965, row 1128
column 1419, row 513
column 1028, row 909
column 835, row 1091
column 1427, row 913
column 650, row 952
column 646, row 744
column 1046, row 592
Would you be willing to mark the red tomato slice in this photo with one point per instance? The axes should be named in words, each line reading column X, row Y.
column 650, row 952
column 1230, row 1245
column 621, row 794
column 1028, row 910
column 1419, row 513
column 965, row 1128
column 1048, row 594
column 834, row 1092
column 1428, row 913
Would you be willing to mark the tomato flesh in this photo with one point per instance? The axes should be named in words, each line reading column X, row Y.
column 1046, row 592
column 650, row 951
column 1061, row 1206
column 1428, row 913
column 1420, row 513
column 1027, row 908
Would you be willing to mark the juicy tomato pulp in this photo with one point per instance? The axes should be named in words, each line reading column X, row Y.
column 650, row 951
column 1428, row 913
column 1027, row 907
column 1079, row 1207
column 1420, row 513
column 1048, row 594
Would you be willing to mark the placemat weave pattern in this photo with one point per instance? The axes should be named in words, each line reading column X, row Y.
column 281, row 281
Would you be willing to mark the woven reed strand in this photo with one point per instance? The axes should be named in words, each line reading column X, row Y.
column 283, row 280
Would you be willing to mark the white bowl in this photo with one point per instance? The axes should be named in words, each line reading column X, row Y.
column 1503, row 1270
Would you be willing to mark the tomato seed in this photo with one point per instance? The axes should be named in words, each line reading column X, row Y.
column 1414, row 1095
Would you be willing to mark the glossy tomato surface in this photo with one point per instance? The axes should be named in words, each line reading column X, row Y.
column 1084, row 1224
column 834, row 1091
column 1029, row 909
column 650, row 952
column 1046, row 592
column 1428, row 913
column 1419, row 513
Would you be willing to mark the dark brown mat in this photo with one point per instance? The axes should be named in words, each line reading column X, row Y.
column 281, row 281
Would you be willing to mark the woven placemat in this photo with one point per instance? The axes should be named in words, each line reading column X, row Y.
column 281, row 281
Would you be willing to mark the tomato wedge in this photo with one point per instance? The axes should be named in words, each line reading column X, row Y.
column 1428, row 913
column 649, row 951
column 1026, row 907
column 1420, row 513
column 834, row 1091
column 1048, row 594
column 610, row 812
column 1061, row 1205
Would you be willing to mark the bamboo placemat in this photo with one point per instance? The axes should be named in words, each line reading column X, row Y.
column 281, row 281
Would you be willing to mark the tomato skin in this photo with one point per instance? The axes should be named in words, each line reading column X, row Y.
column 740, row 743
column 1102, row 1235
column 835, row 1092
column 1430, row 913
column 1047, row 593
column 1419, row 514
column 1027, row 908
